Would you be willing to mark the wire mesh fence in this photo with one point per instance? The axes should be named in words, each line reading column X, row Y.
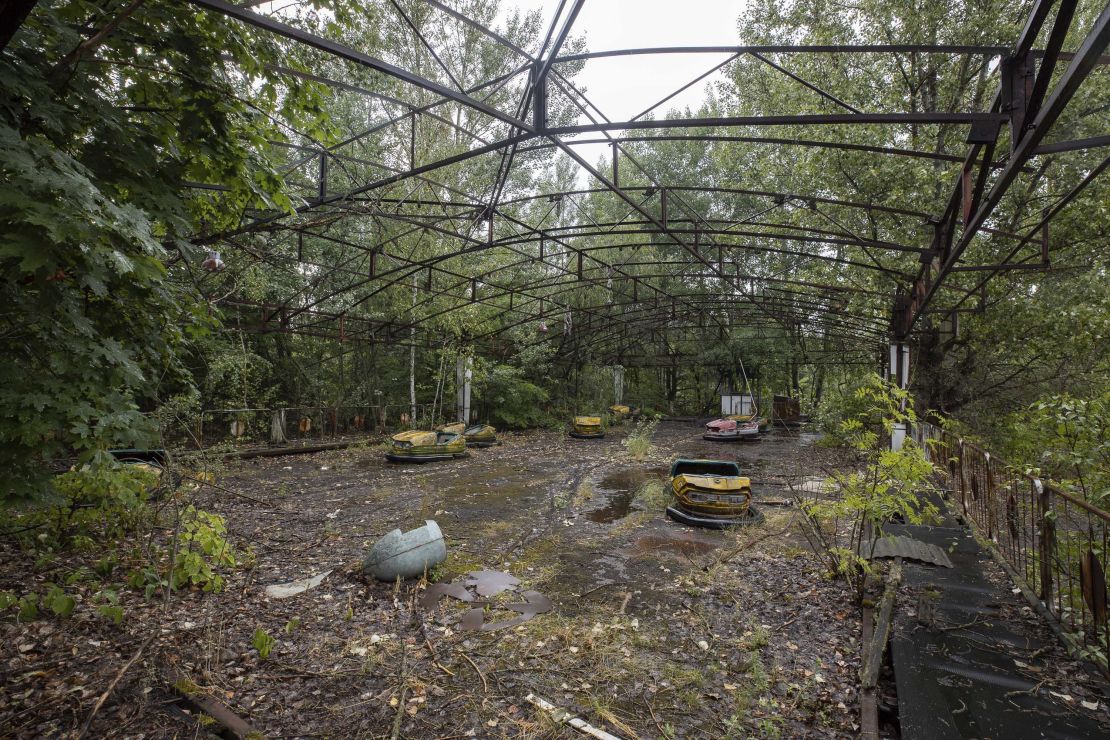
column 1054, row 542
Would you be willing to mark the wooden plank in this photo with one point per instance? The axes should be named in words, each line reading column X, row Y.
column 873, row 651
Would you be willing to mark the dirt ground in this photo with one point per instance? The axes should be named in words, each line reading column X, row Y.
column 657, row 630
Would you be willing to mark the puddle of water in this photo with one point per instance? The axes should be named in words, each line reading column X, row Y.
column 619, row 489
column 619, row 506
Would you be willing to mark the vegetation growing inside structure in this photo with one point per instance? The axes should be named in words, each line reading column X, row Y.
column 889, row 485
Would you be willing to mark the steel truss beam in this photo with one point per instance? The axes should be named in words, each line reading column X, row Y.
column 1027, row 134
column 1024, row 101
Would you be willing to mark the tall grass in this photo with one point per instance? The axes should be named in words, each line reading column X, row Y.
column 638, row 441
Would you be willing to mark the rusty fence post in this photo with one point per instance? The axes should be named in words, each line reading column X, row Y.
column 988, row 497
column 1047, row 541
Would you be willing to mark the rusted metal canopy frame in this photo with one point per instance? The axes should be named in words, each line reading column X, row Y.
column 785, row 310
column 739, row 121
column 556, row 284
column 698, row 336
column 408, row 268
column 1027, row 135
column 701, row 301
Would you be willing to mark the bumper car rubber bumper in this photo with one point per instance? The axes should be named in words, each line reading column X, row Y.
column 435, row 457
column 750, row 517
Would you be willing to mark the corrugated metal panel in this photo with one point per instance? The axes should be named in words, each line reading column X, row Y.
column 910, row 549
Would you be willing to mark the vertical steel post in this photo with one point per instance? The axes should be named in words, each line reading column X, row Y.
column 539, row 96
column 899, row 374
column 1047, row 541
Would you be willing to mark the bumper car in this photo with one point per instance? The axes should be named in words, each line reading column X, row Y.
column 711, row 493
column 732, row 428
column 475, row 435
column 587, row 427
column 620, row 412
column 425, row 446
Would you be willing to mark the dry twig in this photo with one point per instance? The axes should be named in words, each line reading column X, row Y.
column 112, row 686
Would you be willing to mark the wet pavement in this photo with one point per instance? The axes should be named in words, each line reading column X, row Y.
column 970, row 658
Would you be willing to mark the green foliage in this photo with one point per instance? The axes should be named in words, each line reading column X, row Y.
column 1067, row 439
column 888, row 486
column 201, row 549
column 653, row 495
column 514, row 402
column 263, row 643
column 61, row 603
column 109, row 498
column 109, row 607
column 106, row 111
column 28, row 607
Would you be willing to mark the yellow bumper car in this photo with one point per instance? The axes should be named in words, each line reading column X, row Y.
column 587, row 427
column 417, row 446
column 711, row 493
column 620, row 412
column 475, row 435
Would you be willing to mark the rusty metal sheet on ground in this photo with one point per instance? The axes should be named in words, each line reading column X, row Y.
column 909, row 549
column 438, row 590
column 487, row 583
column 491, row 582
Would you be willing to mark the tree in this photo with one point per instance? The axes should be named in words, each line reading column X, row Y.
column 107, row 112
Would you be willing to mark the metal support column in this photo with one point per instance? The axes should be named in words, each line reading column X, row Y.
column 899, row 374
column 464, row 370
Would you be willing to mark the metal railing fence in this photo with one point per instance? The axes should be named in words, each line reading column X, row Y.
column 1054, row 542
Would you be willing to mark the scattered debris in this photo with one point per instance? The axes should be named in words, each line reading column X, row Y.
column 487, row 583
column 192, row 694
column 436, row 591
column 491, row 582
column 562, row 716
column 285, row 590
column 406, row 555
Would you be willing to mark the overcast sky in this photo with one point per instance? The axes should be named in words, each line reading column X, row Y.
column 624, row 86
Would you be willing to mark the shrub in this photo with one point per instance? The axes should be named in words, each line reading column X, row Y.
column 515, row 403
column 888, row 486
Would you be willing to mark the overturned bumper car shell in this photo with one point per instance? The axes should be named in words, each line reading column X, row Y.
column 727, row 430
column 475, row 435
column 711, row 493
column 406, row 555
column 587, row 427
column 425, row 446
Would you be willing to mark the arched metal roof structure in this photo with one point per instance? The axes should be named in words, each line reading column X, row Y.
column 917, row 272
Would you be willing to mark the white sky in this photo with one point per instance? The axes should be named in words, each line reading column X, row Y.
column 622, row 87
